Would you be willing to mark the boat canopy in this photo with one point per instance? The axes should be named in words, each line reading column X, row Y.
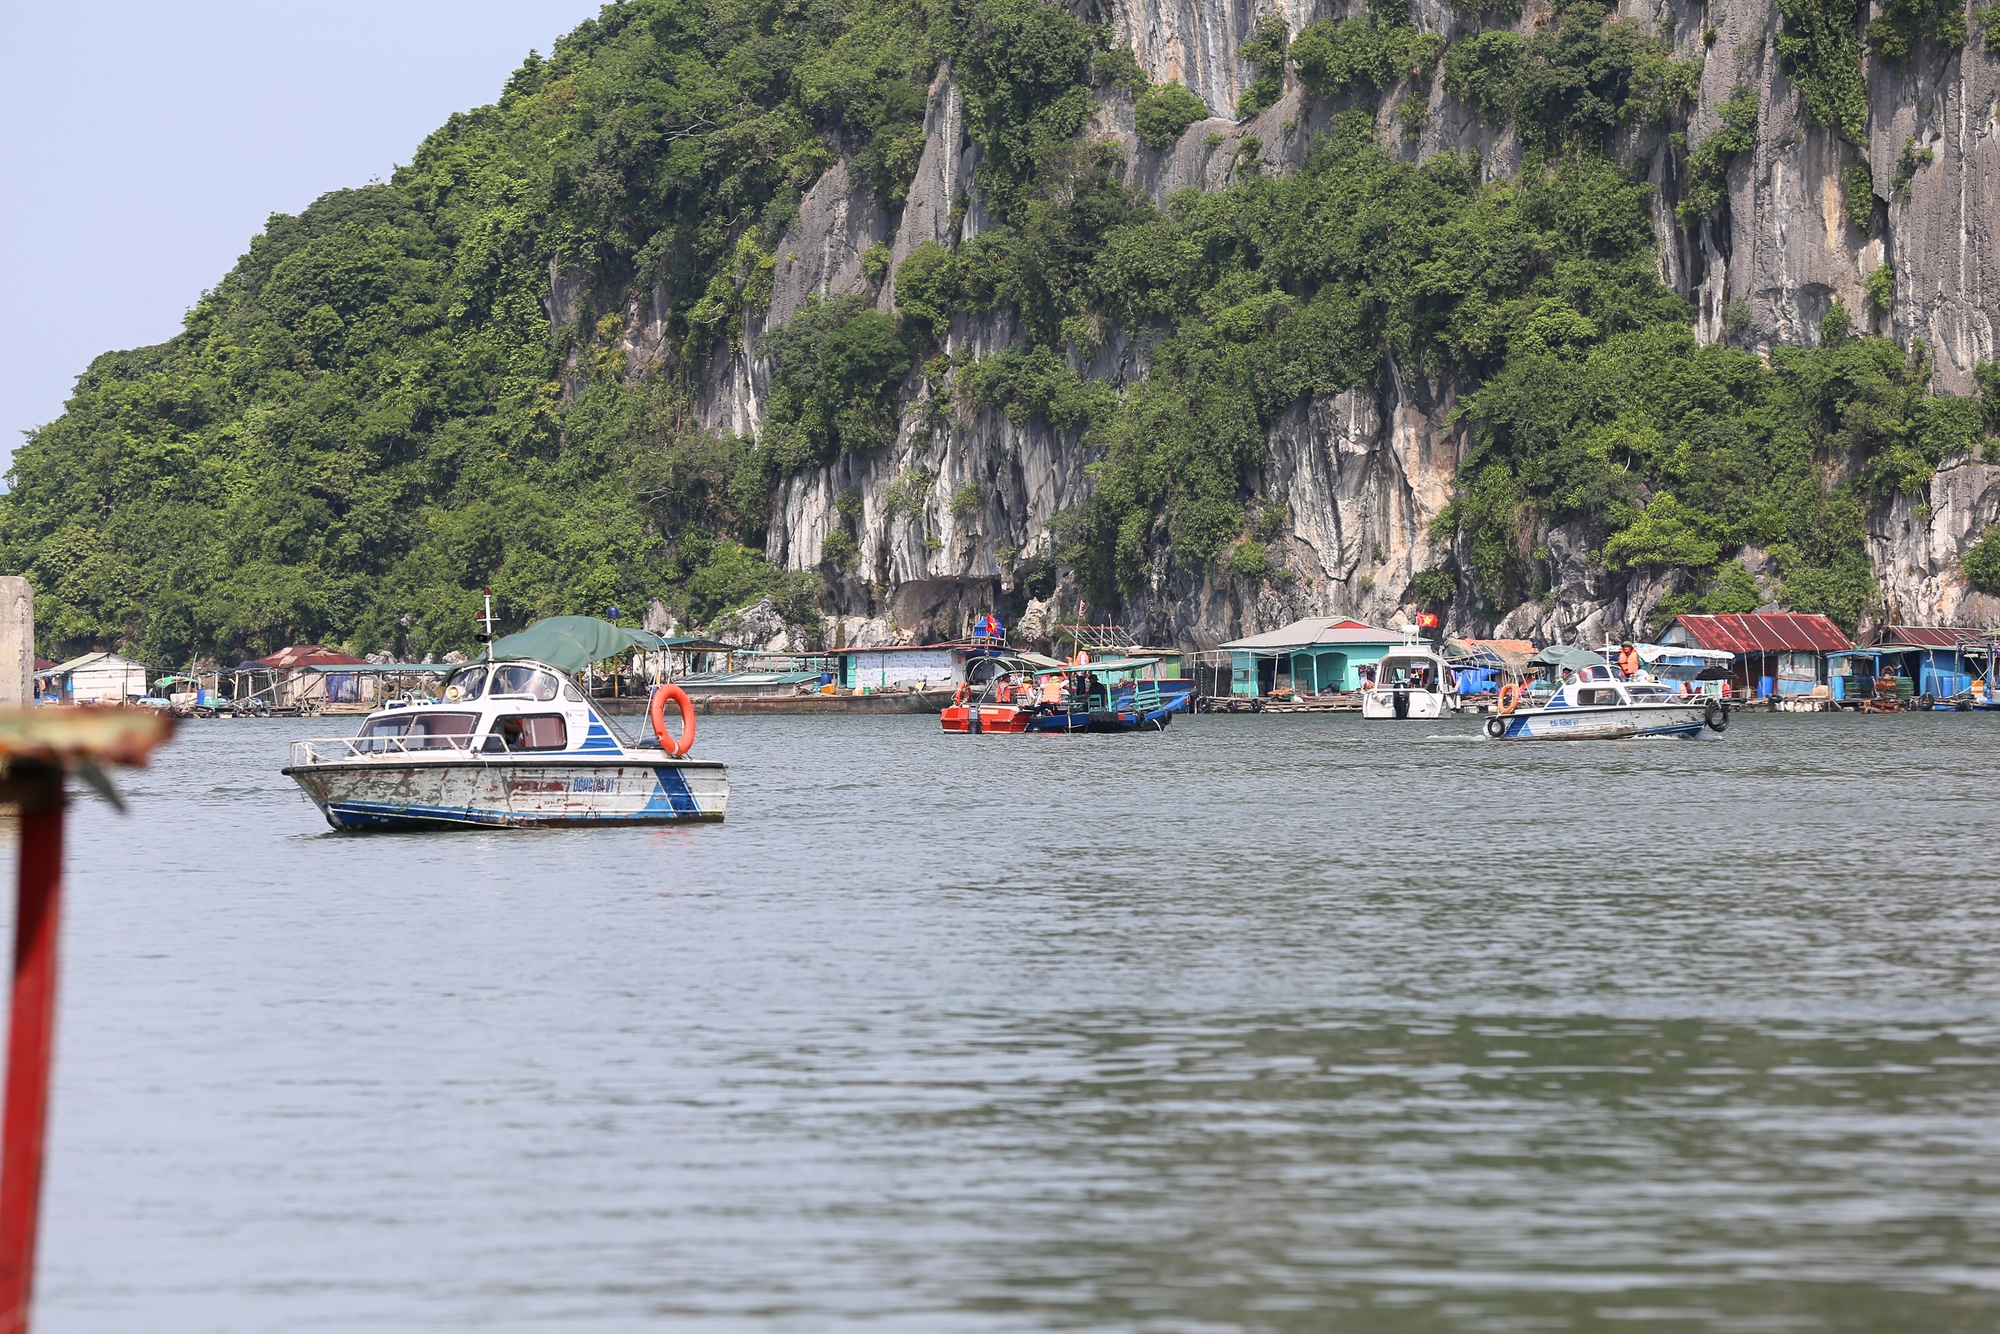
column 1097, row 668
column 1654, row 652
column 1561, row 655
column 571, row 643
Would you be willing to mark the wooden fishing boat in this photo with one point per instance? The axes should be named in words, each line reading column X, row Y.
column 1113, row 695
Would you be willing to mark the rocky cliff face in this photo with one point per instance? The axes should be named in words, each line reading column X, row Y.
column 1362, row 475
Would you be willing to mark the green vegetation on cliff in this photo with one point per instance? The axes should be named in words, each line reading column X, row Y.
column 418, row 389
column 365, row 422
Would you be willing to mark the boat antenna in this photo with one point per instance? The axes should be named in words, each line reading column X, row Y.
column 486, row 619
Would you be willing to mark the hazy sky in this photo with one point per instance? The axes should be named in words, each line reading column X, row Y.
column 146, row 142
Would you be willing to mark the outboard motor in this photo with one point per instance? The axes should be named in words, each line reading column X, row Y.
column 1402, row 703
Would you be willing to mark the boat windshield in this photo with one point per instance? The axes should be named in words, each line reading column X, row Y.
column 1409, row 673
column 418, row 730
column 534, row 682
column 465, row 683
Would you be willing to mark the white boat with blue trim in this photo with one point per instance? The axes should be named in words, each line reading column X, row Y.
column 1413, row 681
column 513, row 743
column 1599, row 706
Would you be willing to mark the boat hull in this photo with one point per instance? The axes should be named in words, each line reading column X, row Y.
column 1106, row 720
column 502, row 792
column 1384, row 704
column 992, row 718
column 1610, row 722
column 1005, row 718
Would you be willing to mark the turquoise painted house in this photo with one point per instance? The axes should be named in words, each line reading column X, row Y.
column 1321, row 655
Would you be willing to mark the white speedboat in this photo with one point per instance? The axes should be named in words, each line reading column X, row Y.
column 512, row 744
column 1597, row 707
column 1413, row 681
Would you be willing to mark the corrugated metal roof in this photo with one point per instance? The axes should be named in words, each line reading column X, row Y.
column 1774, row 632
column 1317, row 630
column 1931, row 636
column 102, row 655
column 1524, row 647
column 745, row 678
column 304, row 655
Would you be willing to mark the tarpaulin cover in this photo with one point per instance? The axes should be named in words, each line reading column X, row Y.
column 1561, row 655
column 572, row 643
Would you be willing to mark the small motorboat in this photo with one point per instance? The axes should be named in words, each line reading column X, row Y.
column 1599, row 706
column 513, row 743
column 1112, row 695
column 1413, row 681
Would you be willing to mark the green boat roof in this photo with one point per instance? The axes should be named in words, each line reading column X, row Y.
column 1096, row 668
column 571, row 643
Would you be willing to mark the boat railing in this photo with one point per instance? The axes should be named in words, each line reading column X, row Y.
column 335, row 749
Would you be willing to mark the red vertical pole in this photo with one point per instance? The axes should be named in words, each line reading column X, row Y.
column 30, row 1042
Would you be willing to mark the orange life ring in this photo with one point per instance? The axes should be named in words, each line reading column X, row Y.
column 960, row 695
column 1510, row 696
column 659, row 712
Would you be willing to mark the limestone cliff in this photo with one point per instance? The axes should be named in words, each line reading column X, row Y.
column 1362, row 475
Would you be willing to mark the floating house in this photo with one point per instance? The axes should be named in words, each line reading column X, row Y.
column 1321, row 655
column 942, row 666
column 916, row 667
column 307, row 674
column 1770, row 653
column 1941, row 662
column 94, row 678
column 747, row 684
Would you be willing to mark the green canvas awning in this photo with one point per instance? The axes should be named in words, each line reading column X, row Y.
column 1561, row 655
column 572, row 643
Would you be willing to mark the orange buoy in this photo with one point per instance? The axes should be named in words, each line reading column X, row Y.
column 1510, row 696
column 661, row 695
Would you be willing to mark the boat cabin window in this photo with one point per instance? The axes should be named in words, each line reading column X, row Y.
column 536, row 731
column 514, row 679
column 465, row 683
column 571, row 693
column 420, row 731
column 1601, row 695
column 1408, row 673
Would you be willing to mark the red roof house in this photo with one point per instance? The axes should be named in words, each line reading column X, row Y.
column 308, row 655
column 1777, row 653
column 1770, row 632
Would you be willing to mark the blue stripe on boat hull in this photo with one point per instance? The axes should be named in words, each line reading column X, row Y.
column 565, row 798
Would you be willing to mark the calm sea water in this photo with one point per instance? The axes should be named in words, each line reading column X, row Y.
column 1277, row 1024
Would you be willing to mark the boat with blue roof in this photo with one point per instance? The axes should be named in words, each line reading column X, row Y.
column 513, row 742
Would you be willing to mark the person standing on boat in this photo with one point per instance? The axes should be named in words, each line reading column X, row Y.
column 1628, row 660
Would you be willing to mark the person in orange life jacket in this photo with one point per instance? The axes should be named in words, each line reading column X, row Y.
column 1052, row 690
column 1004, row 692
column 1628, row 660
